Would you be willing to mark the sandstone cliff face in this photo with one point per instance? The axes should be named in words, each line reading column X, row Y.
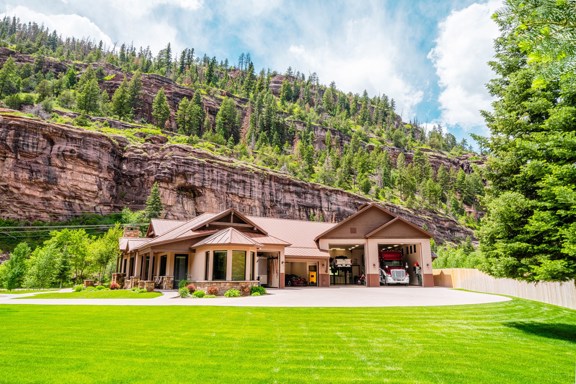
column 53, row 172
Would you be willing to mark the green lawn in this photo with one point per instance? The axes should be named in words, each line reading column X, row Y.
column 512, row 342
column 23, row 291
column 96, row 294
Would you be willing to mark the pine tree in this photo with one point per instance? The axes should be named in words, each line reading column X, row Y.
column 529, row 231
column 160, row 109
column 183, row 117
column 154, row 203
column 121, row 101
column 196, row 114
column 88, row 99
column 227, row 120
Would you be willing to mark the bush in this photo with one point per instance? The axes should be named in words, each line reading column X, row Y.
column 78, row 288
column 199, row 293
column 213, row 290
column 209, row 296
column 256, row 294
column 182, row 284
column 81, row 121
column 258, row 288
column 183, row 292
column 100, row 287
column 191, row 288
column 232, row 292
column 114, row 286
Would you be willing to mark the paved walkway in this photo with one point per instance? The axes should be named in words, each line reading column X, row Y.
column 300, row 297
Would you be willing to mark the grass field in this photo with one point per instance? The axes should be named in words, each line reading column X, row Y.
column 23, row 291
column 96, row 294
column 511, row 342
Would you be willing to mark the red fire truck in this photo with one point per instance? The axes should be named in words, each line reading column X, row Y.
column 393, row 270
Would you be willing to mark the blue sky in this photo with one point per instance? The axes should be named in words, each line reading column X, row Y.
column 430, row 56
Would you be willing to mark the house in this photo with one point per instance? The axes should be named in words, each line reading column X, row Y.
column 228, row 248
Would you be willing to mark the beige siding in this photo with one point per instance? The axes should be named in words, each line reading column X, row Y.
column 362, row 224
column 400, row 230
column 562, row 294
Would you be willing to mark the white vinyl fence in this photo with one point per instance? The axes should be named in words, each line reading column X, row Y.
column 562, row 294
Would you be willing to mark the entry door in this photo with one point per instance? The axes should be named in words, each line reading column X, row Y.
column 273, row 273
column 180, row 268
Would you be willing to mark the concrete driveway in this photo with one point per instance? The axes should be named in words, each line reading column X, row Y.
column 300, row 297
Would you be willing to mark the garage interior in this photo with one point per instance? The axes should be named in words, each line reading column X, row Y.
column 347, row 261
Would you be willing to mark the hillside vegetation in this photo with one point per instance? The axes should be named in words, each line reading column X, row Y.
column 286, row 122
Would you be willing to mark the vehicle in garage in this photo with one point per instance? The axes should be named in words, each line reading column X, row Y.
column 292, row 280
column 393, row 269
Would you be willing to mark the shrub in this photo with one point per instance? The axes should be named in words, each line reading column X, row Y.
column 199, row 293
column 209, row 296
column 89, row 289
column 100, row 287
column 114, row 286
column 182, row 283
column 232, row 292
column 183, row 292
column 191, row 288
column 213, row 290
column 78, row 288
column 258, row 288
column 256, row 294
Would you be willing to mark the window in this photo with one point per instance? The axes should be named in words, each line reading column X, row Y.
column 238, row 265
column 253, row 265
column 207, row 266
column 162, row 271
column 219, row 265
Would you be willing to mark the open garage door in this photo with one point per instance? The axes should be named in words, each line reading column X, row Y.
column 400, row 264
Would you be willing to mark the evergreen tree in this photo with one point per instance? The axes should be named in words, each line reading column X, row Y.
column 160, row 109
column 196, row 114
column 134, row 88
column 9, row 78
column 154, row 203
column 183, row 117
column 121, row 101
column 529, row 231
column 88, row 98
column 227, row 120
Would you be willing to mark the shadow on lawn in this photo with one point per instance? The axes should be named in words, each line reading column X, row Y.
column 559, row 331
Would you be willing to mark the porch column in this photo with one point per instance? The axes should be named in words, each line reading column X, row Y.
column 229, row 265
column 210, row 265
column 150, row 262
column 137, row 258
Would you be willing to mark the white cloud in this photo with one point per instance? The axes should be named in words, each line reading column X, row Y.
column 364, row 53
column 67, row 25
column 463, row 48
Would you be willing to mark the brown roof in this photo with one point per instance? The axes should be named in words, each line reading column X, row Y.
column 228, row 236
column 268, row 240
column 161, row 226
column 298, row 233
column 181, row 231
column 305, row 252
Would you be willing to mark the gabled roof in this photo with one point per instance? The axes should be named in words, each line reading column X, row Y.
column 159, row 227
column 362, row 209
column 396, row 221
column 228, row 236
column 268, row 240
column 233, row 212
column 181, row 231
column 135, row 243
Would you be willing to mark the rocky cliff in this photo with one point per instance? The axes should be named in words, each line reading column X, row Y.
column 54, row 172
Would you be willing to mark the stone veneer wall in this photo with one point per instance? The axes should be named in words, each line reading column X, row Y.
column 223, row 286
